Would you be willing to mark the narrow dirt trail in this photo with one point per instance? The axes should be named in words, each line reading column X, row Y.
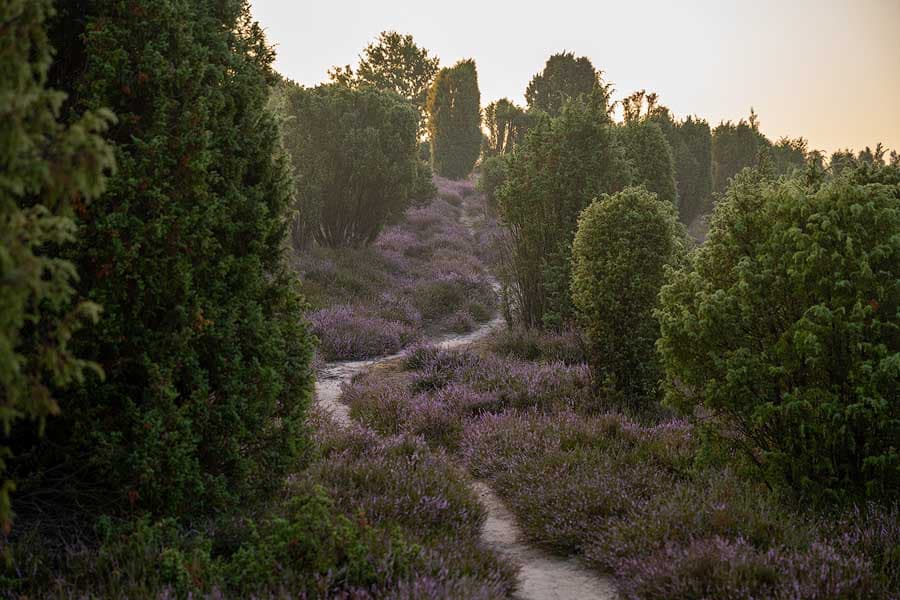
column 542, row 576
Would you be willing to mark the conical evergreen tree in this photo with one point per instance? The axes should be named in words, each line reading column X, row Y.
column 454, row 120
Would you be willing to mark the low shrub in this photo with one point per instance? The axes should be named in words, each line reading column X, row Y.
column 346, row 333
column 564, row 346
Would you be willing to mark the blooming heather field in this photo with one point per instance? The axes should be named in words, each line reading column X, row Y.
column 423, row 276
column 632, row 499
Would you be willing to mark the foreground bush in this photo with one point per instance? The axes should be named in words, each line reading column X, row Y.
column 786, row 329
column 202, row 340
column 355, row 160
column 623, row 245
column 48, row 169
column 370, row 518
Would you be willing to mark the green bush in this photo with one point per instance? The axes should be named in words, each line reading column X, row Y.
column 202, row 340
column 651, row 158
column 786, row 328
column 355, row 161
column 622, row 248
column 551, row 178
column 48, row 170
column 454, row 120
column 494, row 171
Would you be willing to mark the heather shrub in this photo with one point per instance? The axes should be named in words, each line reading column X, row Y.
column 344, row 198
column 348, row 333
column 438, row 297
column 459, row 322
column 805, row 281
column 399, row 483
column 537, row 345
column 436, row 420
column 621, row 250
column 720, row 568
column 454, row 120
column 564, row 475
column 305, row 547
column 382, row 404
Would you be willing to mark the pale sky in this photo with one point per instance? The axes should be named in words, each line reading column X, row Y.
column 827, row 70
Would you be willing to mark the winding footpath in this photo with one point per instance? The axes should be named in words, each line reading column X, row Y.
column 542, row 576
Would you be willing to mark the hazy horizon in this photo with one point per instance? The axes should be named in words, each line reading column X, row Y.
column 826, row 71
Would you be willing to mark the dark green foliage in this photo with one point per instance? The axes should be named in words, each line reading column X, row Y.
column 355, row 163
column 692, row 148
column 506, row 126
column 552, row 176
column 454, row 120
column 786, row 329
column 564, row 77
column 789, row 155
column 621, row 250
column 735, row 147
column 494, row 171
column 202, row 339
column 690, row 141
column 47, row 172
column 651, row 158
column 393, row 63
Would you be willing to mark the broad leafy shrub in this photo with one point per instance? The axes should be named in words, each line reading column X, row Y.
column 786, row 329
column 552, row 176
column 48, row 171
column 454, row 120
column 355, row 162
column 623, row 246
column 202, row 338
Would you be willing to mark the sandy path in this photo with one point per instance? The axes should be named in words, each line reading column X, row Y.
column 542, row 576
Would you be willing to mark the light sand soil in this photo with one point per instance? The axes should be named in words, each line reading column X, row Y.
column 541, row 576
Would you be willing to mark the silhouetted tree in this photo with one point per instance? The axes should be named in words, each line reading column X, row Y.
column 506, row 126
column 734, row 147
column 564, row 77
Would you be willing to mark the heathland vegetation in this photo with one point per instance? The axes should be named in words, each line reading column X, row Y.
column 696, row 391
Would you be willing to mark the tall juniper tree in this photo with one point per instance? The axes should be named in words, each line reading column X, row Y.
column 454, row 120
column 202, row 342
